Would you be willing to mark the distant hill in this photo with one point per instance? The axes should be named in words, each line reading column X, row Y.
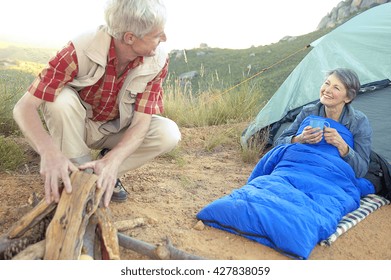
column 21, row 52
column 347, row 9
column 226, row 67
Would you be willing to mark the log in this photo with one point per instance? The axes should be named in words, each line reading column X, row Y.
column 32, row 218
column 27, row 231
column 108, row 233
column 5, row 242
column 65, row 232
column 98, row 245
column 79, row 229
column 32, row 252
column 88, row 248
column 9, row 247
column 162, row 252
column 129, row 224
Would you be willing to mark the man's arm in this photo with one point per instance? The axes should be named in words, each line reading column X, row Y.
column 54, row 165
column 107, row 167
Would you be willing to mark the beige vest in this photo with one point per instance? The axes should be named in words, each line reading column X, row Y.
column 92, row 50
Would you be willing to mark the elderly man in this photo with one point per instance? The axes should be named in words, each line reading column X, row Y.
column 102, row 91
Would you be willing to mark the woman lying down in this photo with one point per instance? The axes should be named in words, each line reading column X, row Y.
column 299, row 191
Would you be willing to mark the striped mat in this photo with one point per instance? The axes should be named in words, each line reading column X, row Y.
column 368, row 204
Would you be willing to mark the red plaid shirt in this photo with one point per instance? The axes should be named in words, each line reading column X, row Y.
column 102, row 96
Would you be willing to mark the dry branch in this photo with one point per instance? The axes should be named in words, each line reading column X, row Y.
column 27, row 231
column 79, row 229
column 65, row 233
column 162, row 252
column 32, row 252
column 129, row 224
column 32, row 218
column 108, row 233
column 89, row 239
column 10, row 247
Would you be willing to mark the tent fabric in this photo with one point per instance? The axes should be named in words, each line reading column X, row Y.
column 379, row 117
column 361, row 44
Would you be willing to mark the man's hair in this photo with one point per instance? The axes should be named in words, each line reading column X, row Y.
column 350, row 80
column 137, row 16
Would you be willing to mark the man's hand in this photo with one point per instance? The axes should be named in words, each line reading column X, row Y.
column 107, row 170
column 54, row 167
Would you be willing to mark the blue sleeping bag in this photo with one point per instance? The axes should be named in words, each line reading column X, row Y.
column 294, row 198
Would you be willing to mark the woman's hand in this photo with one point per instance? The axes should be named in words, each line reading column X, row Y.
column 310, row 136
column 332, row 137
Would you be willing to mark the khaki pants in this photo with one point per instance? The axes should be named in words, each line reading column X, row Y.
column 76, row 135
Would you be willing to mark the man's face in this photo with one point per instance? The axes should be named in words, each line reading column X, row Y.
column 146, row 46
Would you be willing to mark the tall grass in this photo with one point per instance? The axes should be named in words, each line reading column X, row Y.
column 212, row 107
column 13, row 83
column 11, row 154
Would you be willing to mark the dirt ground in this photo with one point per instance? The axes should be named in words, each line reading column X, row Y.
column 168, row 193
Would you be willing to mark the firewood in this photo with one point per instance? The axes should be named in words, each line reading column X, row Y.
column 32, row 218
column 129, row 224
column 166, row 251
column 108, row 233
column 66, row 230
column 88, row 248
column 79, row 229
column 32, row 252
column 137, row 246
column 84, row 257
column 9, row 247
column 176, row 254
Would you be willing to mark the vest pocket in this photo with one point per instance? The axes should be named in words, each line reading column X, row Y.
column 126, row 111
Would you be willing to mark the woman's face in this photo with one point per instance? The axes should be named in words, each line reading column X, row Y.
column 333, row 93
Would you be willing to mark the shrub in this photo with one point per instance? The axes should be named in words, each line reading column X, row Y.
column 13, row 84
column 11, row 154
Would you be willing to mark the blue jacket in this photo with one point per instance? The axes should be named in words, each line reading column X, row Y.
column 354, row 120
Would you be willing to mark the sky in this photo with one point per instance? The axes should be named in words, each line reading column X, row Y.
column 230, row 24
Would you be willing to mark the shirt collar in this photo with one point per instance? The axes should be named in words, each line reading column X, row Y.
column 346, row 114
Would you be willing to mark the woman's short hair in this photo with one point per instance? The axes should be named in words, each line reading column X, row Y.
column 350, row 80
column 137, row 16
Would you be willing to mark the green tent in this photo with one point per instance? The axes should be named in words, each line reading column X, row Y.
column 363, row 44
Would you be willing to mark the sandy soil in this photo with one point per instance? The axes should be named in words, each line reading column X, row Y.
column 168, row 193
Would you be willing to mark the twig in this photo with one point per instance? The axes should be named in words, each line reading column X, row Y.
column 166, row 251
